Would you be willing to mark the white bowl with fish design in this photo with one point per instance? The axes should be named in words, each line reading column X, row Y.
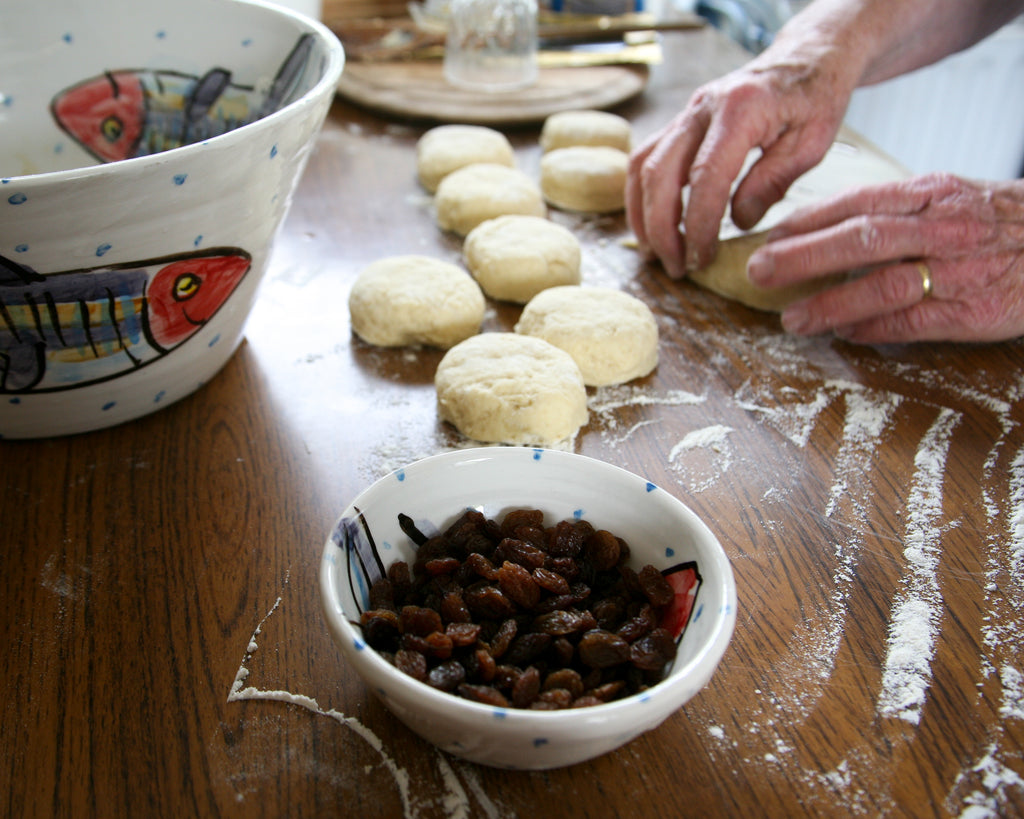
column 150, row 152
column 434, row 492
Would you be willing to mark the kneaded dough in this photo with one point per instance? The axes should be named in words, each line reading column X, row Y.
column 585, row 127
column 849, row 161
column 405, row 300
column 612, row 336
column 727, row 276
column 482, row 191
column 447, row 148
column 512, row 389
column 585, row 178
column 514, row 257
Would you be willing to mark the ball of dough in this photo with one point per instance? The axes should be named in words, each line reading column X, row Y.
column 447, row 148
column 585, row 127
column 515, row 257
column 585, row 178
column 407, row 300
column 482, row 191
column 612, row 336
column 511, row 389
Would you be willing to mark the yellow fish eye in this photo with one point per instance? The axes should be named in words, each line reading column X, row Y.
column 186, row 286
column 112, row 128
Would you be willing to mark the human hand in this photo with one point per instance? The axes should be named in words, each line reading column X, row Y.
column 788, row 102
column 963, row 239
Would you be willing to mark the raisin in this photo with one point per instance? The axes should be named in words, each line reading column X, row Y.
column 412, row 663
column 526, row 687
column 447, row 676
column 382, row 595
column 550, row 581
column 565, row 678
column 654, row 651
column 601, row 649
column 482, row 566
column 419, row 620
column 638, row 625
column 521, row 552
column 609, row 612
column 503, row 638
column 558, row 697
column 381, row 628
column 439, row 645
column 565, row 540
column 559, row 623
column 400, row 579
column 462, row 634
column 489, row 602
column 453, row 608
column 486, row 667
column 521, row 517
column 518, row 585
column 466, row 532
column 607, row 691
column 655, row 587
column 441, row 565
column 602, row 550
column 526, row 648
column 483, row 693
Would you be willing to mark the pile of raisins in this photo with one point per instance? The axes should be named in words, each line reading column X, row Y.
column 522, row 615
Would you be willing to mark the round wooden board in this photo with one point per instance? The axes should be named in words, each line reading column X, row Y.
column 418, row 90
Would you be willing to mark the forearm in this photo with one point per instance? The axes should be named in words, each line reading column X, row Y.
column 880, row 39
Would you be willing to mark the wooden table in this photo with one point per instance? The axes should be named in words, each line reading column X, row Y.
column 163, row 651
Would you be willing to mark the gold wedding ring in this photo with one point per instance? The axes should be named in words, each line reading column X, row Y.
column 926, row 280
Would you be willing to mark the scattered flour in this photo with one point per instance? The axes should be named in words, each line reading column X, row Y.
column 918, row 610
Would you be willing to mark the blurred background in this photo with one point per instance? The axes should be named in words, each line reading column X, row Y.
column 964, row 114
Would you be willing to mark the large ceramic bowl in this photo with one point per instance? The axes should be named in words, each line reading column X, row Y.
column 660, row 530
column 148, row 154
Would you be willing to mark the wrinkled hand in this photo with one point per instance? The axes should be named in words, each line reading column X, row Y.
column 790, row 105
column 969, row 234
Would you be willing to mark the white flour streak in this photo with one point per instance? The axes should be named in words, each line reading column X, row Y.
column 455, row 796
column 867, row 416
column 1016, row 518
column 820, row 637
column 608, row 399
column 907, row 671
column 996, row 778
column 713, row 436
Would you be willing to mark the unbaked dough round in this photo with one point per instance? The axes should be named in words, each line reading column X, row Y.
column 447, row 148
column 586, row 127
column 511, row 389
column 482, row 191
column 585, row 178
column 515, row 257
column 405, row 300
column 612, row 336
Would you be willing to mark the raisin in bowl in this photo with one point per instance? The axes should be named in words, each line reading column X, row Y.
column 526, row 608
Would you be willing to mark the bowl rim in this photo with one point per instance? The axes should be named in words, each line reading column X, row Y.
column 332, row 69
column 708, row 657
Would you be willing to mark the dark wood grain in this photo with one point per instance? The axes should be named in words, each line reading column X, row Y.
column 161, row 644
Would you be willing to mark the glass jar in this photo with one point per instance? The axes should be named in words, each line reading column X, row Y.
column 491, row 45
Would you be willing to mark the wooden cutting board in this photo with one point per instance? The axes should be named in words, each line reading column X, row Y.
column 417, row 90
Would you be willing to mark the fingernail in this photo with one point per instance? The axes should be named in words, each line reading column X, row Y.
column 692, row 260
column 796, row 319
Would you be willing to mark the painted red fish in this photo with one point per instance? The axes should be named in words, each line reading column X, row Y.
column 127, row 113
column 64, row 330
